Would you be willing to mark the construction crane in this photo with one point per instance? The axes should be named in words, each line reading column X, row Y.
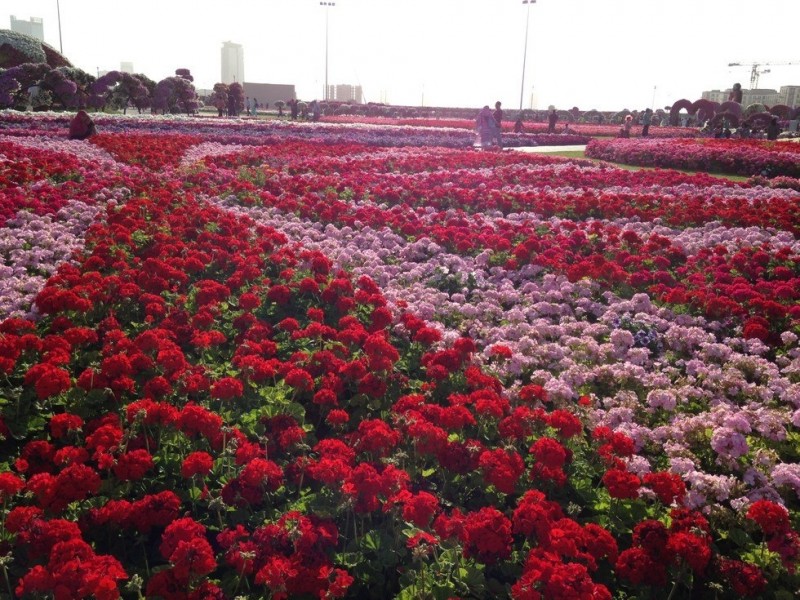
column 756, row 69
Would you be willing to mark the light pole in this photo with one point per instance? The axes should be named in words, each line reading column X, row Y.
column 327, row 6
column 525, row 51
column 60, row 46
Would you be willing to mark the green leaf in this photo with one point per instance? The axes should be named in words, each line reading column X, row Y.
column 739, row 537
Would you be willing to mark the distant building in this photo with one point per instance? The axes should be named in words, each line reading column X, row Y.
column 34, row 27
column 716, row 95
column 269, row 92
column 789, row 95
column 346, row 93
column 766, row 97
column 126, row 67
column 232, row 63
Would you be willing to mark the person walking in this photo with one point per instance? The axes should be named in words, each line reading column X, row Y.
column 552, row 119
column 486, row 126
column 498, row 119
column 646, row 119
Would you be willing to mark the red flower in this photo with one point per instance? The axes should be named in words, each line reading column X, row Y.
column 133, row 465
column 62, row 423
column 300, row 380
column 10, row 485
column 621, row 484
column 635, row 565
column 745, row 578
column 669, row 487
column 567, row 424
column 487, row 535
column 771, row 517
column 197, row 463
column 419, row 508
column 337, row 417
column 502, row 468
column 549, row 453
column 375, row 436
column 48, row 380
column 532, row 393
column 227, row 388
column 693, row 549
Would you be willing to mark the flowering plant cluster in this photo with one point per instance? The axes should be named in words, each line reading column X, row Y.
column 308, row 369
column 536, row 128
column 736, row 157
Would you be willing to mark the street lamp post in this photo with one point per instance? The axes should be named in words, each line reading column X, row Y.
column 60, row 46
column 525, row 51
column 327, row 6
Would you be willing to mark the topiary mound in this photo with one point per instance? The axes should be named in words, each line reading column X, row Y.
column 18, row 48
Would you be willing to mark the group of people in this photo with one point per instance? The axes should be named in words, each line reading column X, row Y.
column 627, row 124
column 744, row 131
column 489, row 125
column 312, row 111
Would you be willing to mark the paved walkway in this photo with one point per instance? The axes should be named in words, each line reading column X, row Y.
column 550, row 148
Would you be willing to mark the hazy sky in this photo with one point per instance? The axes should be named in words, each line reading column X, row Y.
column 603, row 54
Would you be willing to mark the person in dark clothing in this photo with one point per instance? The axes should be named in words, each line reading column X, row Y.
column 552, row 119
column 81, row 126
column 293, row 108
column 518, row 125
column 498, row 119
column 646, row 119
column 736, row 93
column 772, row 129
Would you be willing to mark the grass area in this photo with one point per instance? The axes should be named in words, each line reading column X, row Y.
column 581, row 154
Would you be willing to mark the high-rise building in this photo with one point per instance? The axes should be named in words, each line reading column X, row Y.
column 232, row 63
column 346, row 93
column 34, row 27
column 789, row 95
column 126, row 67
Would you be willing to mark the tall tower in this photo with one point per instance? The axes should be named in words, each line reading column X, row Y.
column 232, row 63
column 33, row 28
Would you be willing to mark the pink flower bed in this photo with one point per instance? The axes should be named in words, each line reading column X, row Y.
column 736, row 157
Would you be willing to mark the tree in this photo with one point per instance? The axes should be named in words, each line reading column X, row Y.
column 219, row 97
column 235, row 99
column 175, row 95
column 26, row 76
column 130, row 91
column 83, row 82
column 144, row 101
column 101, row 90
column 60, row 91
column 184, row 74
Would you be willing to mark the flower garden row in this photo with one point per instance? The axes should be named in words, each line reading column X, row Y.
column 736, row 157
column 581, row 129
column 257, row 132
column 326, row 369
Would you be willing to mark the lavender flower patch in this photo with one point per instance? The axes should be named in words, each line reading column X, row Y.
column 33, row 247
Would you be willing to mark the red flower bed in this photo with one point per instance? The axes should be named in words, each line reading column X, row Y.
column 208, row 411
column 152, row 151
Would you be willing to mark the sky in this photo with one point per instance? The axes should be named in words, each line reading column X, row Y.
column 593, row 54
